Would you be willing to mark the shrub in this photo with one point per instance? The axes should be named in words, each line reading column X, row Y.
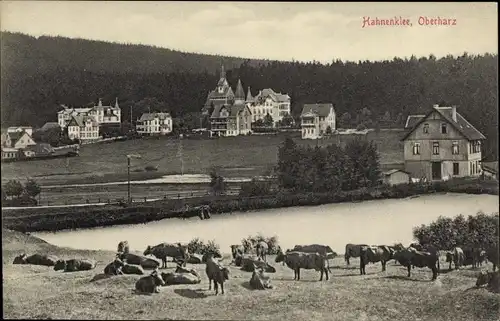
column 361, row 127
column 446, row 233
column 199, row 247
column 251, row 241
column 255, row 188
column 150, row 168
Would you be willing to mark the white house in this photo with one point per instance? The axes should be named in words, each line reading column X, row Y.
column 20, row 129
column 102, row 114
column 317, row 120
column 154, row 124
column 277, row 105
column 18, row 139
column 84, row 128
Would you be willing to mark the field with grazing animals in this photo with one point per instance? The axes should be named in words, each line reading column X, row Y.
column 245, row 156
column 41, row 292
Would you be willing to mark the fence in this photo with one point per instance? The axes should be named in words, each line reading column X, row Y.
column 62, row 200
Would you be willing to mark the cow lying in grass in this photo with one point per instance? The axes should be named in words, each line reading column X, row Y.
column 36, row 259
column 75, row 265
column 260, row 281
column 173, row 278
column 248, row 262
column 150, row 283
column 216, row 273
column 181, row 269
column 144, row 262
column 301, row 260
column 114, row 268
column 411, row 257
column 491, row 279
column 374, row 254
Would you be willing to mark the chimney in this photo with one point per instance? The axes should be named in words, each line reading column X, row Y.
column 454, row 113
column 435, row 105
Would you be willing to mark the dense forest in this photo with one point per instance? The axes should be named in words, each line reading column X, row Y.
column 39, row 74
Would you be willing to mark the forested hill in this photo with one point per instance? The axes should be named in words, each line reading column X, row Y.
column 42, row 73
column 46, row 54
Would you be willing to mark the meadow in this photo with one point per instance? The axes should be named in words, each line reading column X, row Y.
column 40, row 292
column 245, row 156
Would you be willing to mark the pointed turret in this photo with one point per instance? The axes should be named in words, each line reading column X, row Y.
column 240, row 93
column 249, row 95
column 116, row 103
column 222, row 72
column 100, row 102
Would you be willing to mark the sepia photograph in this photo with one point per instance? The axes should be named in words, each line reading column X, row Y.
column 238, row 160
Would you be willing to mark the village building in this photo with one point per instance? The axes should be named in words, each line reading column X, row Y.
column 228, row 111
column 101, row 114
column 396, row 176
column 20, row 129
column 441, row 144
column 84, row 128
column 48, row 126
column 268, row 102
column 18, row 139
column 154, row 124
column 317, row 120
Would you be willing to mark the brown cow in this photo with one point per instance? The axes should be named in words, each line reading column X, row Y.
column 164, row 250
column 216, row 273
column 75, row 265
column 150, row 283
column 410, row 257
column 36, row 259
column 493, row 256
column 352, row 250
column 373, row 254
column 301, row 260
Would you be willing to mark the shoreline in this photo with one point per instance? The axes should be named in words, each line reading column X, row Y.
column 38, row 220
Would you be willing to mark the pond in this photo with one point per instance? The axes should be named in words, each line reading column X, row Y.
column 371, row 222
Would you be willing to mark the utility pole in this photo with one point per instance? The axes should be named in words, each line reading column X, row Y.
column 131, row 119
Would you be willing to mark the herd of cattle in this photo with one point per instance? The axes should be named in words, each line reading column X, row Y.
column 254, row 260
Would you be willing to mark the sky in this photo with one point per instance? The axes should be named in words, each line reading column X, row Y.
column 283, row 31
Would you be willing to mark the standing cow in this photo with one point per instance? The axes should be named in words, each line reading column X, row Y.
column 456, row 256
column 301, row 260
column 164, row 250
column 373, row 254
column 410, row 257
column 352, row 250
column 262, row 249
column 324, row 250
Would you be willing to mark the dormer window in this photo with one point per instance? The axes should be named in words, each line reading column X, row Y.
column 443, row 129
column 426, row 128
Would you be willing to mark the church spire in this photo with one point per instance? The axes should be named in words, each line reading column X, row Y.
column 116, row 103
column 240, row 93
column 249, row 95
column 222, row 72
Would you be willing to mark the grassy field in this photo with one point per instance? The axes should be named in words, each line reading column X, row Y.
column 41, row 292
column 237, row 156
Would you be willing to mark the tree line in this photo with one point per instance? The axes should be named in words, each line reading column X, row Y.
column 331, row 168
column 364, row 92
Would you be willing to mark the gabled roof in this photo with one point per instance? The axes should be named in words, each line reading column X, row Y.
column 322, row 110
column 461, row 124
column 268, row 92
column 236, row 109
column 249, row 95
column 49, row 125
column 152, row 116
column 392, row 171
column 217, row 110
column 412, row 120
column 15, row 136
column 80, row 120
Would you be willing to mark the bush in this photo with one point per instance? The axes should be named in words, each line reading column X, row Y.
column 150, row 168
column 361, row 127
column 446, row 233
column 199, row 247
column 250, row 242
column 255, row 188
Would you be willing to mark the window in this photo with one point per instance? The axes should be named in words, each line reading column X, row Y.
column 455, row 169
column 454, row 148
column 416, row 149
column 443, row 128
column 426, row 128
column 435, row 148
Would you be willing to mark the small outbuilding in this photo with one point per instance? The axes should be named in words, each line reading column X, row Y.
column 396, row 176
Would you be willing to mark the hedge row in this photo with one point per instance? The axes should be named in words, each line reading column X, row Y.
column 81, row 218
